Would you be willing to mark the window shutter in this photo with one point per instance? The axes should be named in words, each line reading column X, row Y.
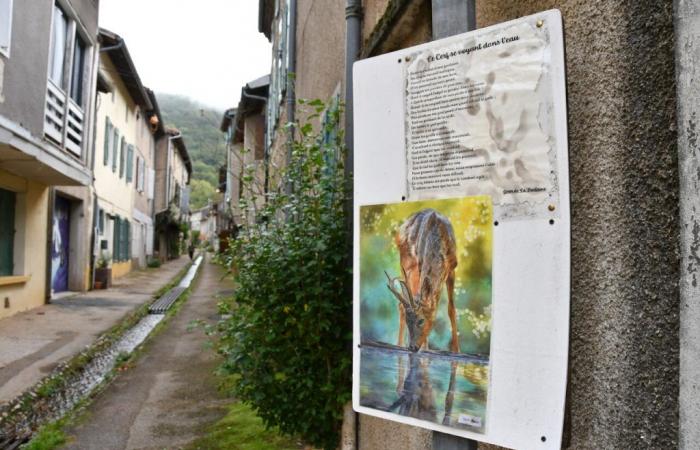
column 115, row 239
column 7, row 231
column 127, row 241
column 151, row 183
column 108, row 135
column 143, row 175
column 115, row 149
column 122, row 156
column 130, row 163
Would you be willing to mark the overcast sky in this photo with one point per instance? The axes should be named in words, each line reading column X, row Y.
column 205, row 50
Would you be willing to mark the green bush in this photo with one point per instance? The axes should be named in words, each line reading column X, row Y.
column 287, row 336
column 153, row 263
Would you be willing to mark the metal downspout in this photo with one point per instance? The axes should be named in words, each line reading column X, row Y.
column 353, row 37
column 452, row 17
column 291, row 74
column 687, row 56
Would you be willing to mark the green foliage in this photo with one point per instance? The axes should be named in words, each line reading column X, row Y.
column 241, row 429
column 49, row 437
column 287, row 336
column 205, row 142
column 153, row 263
column 200, row 192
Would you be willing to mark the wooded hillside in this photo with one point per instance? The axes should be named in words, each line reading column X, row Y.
column 199, row 125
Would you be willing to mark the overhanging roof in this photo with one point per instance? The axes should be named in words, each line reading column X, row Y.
column 266, row 11
column 116, row 50
column 226, row 120
column 253, row 100
column 176, row 137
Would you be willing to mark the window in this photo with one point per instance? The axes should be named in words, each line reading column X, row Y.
column 108, row 140
column 59, row 39
column 76, row 83
column 7, row 231
column 278, row 74
column 64, row 118
column 5, row 26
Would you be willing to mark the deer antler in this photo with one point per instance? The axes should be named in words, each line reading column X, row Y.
column 405, row 296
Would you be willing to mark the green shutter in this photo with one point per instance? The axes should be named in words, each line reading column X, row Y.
column 122, row 157
column 115, row 239
column 127, row 245
column 7, row 232
column 108, row 135
column 130, row 163
column 115, row 149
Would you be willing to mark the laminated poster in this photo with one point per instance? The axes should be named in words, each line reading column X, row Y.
column 479, row 121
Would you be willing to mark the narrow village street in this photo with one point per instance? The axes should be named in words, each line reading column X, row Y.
column 349, row 225
column 168, row 394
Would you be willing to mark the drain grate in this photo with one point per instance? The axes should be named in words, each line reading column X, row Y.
column 166, row 301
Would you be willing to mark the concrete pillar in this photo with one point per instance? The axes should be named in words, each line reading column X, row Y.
column 687, row 34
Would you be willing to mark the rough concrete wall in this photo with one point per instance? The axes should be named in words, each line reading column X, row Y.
column 25, row 72
column 161, row 173
column 320, row 47
column 623, row 381
column 87, row 11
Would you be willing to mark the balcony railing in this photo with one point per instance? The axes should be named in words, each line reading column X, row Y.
column 63, row 120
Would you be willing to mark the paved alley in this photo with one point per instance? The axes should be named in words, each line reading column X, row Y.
column 169, row 395
column 34, row 342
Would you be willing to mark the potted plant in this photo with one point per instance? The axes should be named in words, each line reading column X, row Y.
column 103, row 271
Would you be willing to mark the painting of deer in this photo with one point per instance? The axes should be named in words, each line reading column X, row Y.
column 428, row 258
column 425, row 288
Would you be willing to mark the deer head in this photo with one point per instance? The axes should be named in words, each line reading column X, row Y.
column 415, row 315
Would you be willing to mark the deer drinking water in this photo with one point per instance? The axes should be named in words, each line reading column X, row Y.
column 428, row 258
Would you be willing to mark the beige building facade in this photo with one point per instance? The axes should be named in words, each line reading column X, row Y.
column 173, row 170
column 121, row 175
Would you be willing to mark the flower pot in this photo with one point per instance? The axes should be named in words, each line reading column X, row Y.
column 103, row 276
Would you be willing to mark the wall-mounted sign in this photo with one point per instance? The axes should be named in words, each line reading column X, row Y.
column 462, row 234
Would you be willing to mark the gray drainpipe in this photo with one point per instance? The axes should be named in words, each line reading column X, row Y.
column 353, row 24
column 687, row 55
column 291, row 73
column 452, row 17
column 353, row 37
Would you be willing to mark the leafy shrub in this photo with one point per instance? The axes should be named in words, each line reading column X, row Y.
column 287, row 336
column 153, row 263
